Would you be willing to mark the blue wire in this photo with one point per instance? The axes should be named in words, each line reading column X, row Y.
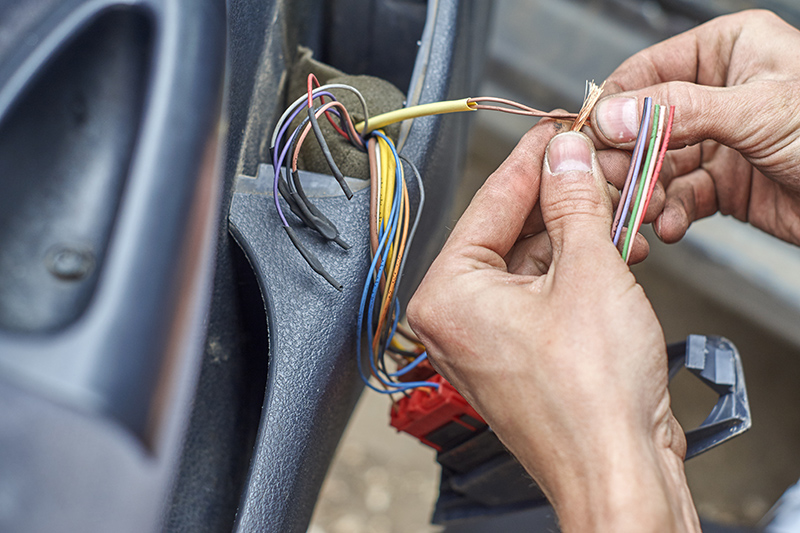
column 411, row 366
column 394, row 220
column 365, row 292
column 382, row 253
column 396, row 320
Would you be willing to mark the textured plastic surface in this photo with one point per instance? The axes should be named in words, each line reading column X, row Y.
column 312, row 383
column 109, row 115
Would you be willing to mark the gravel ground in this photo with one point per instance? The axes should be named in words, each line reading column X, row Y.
column 380, row 481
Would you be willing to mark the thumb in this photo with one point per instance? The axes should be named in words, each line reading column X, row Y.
column 576, row 206
column 733, row 116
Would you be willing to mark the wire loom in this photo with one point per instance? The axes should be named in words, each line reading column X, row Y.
column 391, row 229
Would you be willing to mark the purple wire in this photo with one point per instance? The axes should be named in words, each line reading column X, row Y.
column 277, row 162
column 648, row 107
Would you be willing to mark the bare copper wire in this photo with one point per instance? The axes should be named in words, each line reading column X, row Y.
column 593, row 93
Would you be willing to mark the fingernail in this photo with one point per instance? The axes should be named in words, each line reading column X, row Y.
column 569, row 151
column 657, row 226
column 618, row 118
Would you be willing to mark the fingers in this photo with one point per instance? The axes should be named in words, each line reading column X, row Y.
column 700, row 113
column 531, row 256
column 495, row 218
column 615, row 166
column 576, row 206
column 741, row 117
column 689, row 198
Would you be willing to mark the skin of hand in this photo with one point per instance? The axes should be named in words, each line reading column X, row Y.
column 735, row 146
column 532, row 315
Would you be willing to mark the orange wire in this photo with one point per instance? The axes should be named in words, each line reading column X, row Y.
column 387, row 299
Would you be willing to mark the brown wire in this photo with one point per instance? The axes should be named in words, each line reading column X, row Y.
column 388, row 295
column 516, row 108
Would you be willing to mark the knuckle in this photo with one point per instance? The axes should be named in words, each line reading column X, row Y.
column 416, row 311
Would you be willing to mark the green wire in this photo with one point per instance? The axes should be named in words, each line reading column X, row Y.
column 630, row 235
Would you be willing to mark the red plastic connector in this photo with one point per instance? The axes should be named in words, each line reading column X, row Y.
column 426, row 410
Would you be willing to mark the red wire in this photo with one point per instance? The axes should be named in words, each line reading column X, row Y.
column 313, row 80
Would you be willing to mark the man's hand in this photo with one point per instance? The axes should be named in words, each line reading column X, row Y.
column 735, row 85
column 552, row 341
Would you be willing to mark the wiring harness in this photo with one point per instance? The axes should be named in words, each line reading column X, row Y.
column 391, row 227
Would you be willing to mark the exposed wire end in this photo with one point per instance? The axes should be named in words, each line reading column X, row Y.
column 341, row 242
column 311, row 215
column 288, row 196
column 593, row 93
column 311, row 259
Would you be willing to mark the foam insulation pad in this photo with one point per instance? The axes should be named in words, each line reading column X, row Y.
column 380, row 95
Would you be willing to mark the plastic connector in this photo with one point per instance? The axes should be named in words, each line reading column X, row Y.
column 440, row 418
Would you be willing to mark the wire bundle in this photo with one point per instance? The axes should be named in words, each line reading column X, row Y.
column 649, row 150
column 391, row 229
column 390, row 235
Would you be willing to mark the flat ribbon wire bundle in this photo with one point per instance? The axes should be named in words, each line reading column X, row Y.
column 648, row 155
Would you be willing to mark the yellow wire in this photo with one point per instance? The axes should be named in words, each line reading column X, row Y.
column 424, row 110
column 390, row 183
column 389, row 179
column 382, row 194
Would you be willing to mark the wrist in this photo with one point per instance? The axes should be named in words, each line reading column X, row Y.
column 620, row 485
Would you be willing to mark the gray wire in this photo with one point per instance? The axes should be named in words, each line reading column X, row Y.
column 420, row 205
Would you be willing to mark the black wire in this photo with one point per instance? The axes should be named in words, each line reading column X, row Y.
column 404, row 353
column 311, row 215
column 311, row 259
column 327, row 153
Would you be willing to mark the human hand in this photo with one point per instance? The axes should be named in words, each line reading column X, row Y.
column 735, row 85
column 552, row 341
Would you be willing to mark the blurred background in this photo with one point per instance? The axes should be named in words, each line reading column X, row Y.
column 724, row 278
